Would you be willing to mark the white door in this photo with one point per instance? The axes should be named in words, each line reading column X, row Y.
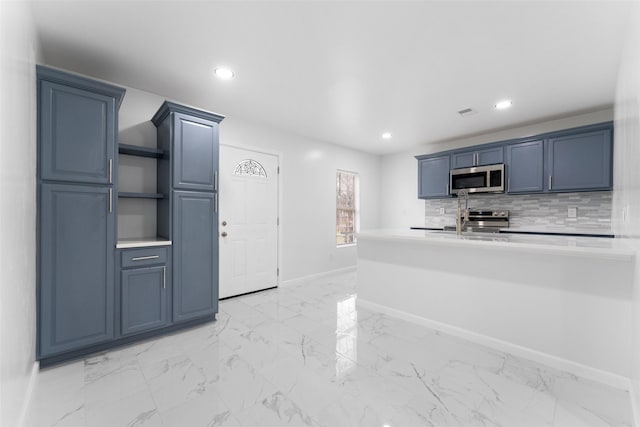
column 248, row 221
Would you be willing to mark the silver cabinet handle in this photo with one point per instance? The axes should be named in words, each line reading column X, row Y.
column 447, row 188
column 549, row 182
column 110, row 200
column 110, row 171
column 164, row 277
column 509, row 185
column 215, row 203
column 475, row 159
column 215, row 181
column 142, row 258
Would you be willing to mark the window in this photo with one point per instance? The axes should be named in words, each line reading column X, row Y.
column 347, row 207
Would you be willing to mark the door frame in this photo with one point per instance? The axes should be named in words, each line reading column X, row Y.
column 278, row 155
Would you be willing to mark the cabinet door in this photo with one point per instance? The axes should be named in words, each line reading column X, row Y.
column 195, row 153
column 580, row 162
column 463, row 160
column 490, row 156
column 77, row 134
column 195, row 255
column 487, row 156
column 525, row 167
column 433, row 177
column 144, row 299
column 76, row 255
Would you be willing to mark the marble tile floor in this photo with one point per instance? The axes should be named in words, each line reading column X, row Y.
column 306, row 355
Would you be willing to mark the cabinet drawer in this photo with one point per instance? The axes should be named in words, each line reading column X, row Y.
column 144, row 256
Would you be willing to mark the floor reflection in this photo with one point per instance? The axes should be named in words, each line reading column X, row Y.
column 346, row 335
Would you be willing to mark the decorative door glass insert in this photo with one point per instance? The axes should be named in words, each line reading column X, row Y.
column 250, row 167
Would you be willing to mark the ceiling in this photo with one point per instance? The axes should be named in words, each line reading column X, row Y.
column 345, row 72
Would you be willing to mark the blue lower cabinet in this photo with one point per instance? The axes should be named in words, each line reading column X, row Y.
column 76, row 265
column 143, row 299
column 195, row 255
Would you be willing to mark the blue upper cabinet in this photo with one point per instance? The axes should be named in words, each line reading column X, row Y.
column 525, row 167
column 578, row 159
column 478, row 157
column 194, row 152
column 433, row 177
column 77, row 127
column 580, row 162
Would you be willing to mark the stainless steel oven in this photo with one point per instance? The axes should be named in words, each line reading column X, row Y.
column 479, row 179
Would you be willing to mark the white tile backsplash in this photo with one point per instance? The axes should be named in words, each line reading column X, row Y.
column 593, row 210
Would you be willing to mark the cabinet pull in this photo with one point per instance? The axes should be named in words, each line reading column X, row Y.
column 549, row 182
column 110, row 200
column 142, row 258
column 475, row 159
column 447, row 188
column 215, row 181
column 110, row 171
column 164, row 277
column 508, row 185
column 215, row 203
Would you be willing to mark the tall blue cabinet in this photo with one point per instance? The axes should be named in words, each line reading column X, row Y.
column 191, row 137
column 93, row 291
column 77, row 128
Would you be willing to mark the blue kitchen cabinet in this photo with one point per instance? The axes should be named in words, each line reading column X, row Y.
column 77, row 132
column 525, row 167
column 77, row 128
column 433, row 177
column 580, row 161
column 191, row 135
column 76, row 266
column 477, row 157
column 143, row 291
column 190, row 217
column 195, row 151
column 195, row 255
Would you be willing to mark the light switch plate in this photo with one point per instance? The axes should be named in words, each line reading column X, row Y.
column 572, row 212
column 442, row 212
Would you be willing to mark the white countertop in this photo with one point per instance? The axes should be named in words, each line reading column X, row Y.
column 562, row 245
column 142, row 242
column 546, row 229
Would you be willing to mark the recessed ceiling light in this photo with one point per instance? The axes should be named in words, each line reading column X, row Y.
column 224, row 73
column 386, row 135
column 503, row 104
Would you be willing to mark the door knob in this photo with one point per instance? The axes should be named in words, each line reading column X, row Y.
column 223, row 234
column 224, row 223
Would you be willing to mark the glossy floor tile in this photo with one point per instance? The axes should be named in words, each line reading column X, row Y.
column 306, row 355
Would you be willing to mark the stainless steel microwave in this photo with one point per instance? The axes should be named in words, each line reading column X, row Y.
column 478, row 179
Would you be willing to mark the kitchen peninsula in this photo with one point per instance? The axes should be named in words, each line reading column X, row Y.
column 563, row 301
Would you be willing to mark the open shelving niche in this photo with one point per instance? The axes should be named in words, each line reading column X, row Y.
column 142, row 214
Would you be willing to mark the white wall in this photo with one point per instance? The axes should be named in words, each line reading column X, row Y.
column 399, row 172
column 626, row 189
column 18, row 53
column 308, row 170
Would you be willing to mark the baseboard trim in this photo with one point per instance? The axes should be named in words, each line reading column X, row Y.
column 26, row 402
column 634, row 394
column 555, row 362
column 303, row 279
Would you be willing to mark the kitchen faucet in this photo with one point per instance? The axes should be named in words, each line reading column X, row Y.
column 459, row 221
